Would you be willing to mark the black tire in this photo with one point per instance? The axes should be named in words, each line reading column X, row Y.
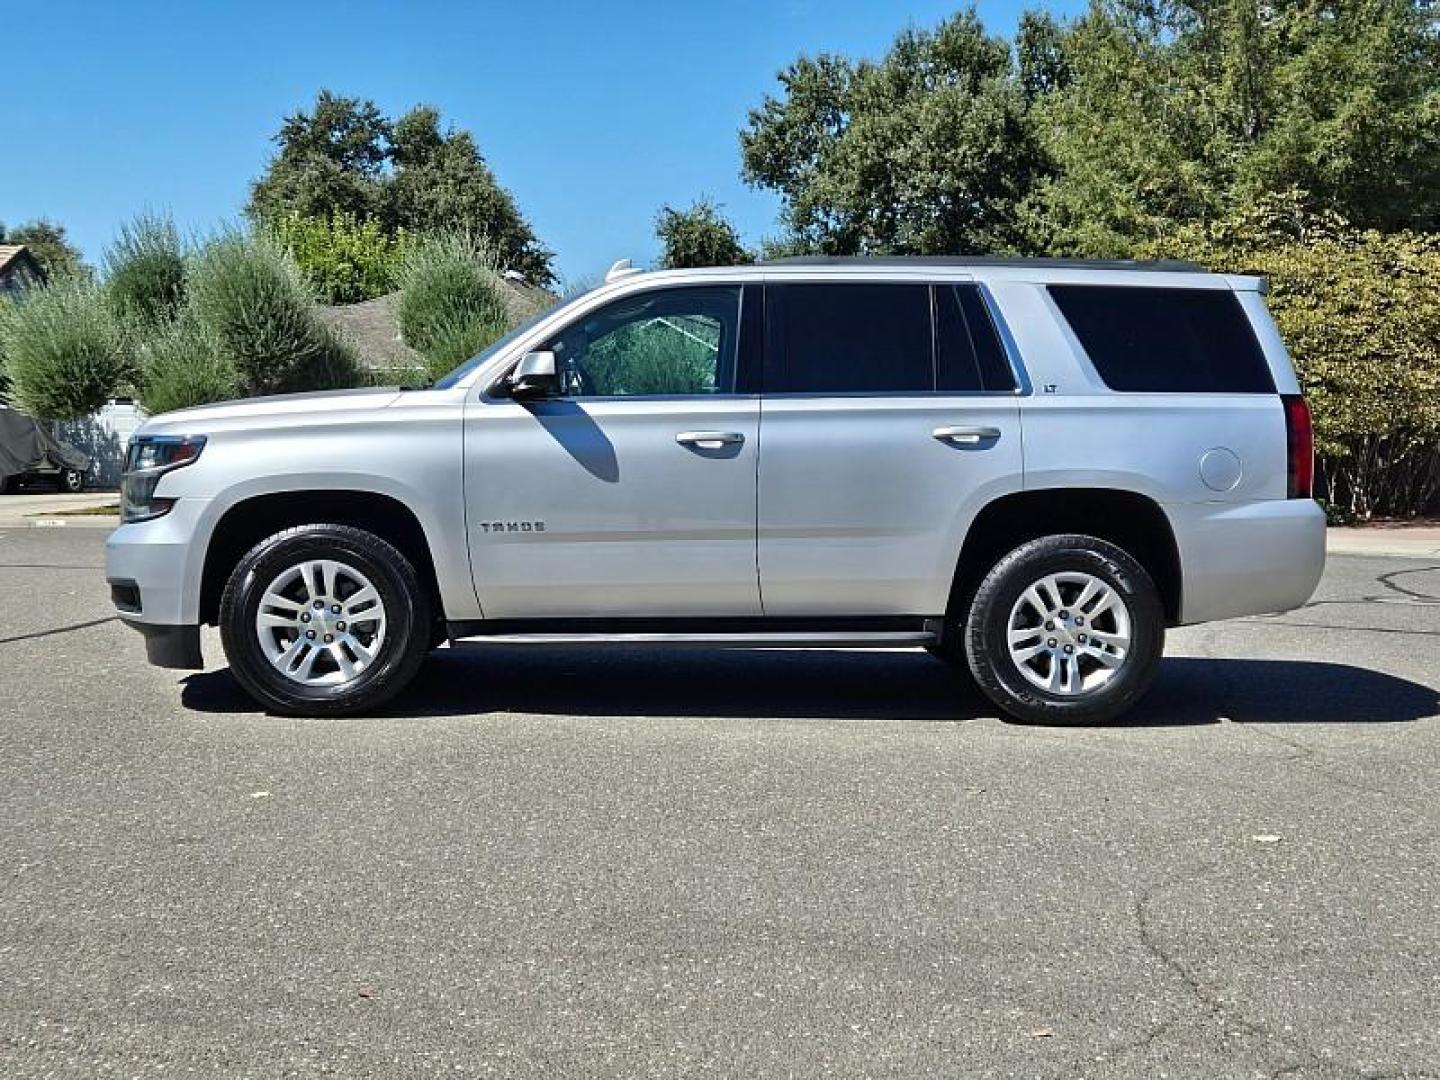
column 70, row 481
column 987, row 631
column 407, row 615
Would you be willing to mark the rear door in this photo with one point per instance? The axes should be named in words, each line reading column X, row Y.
column 889, row 418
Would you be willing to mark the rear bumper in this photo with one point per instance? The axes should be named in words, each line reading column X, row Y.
column 1247, row 558
column 171, row 646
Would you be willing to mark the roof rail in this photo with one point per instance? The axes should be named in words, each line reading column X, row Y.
column 1172, row 265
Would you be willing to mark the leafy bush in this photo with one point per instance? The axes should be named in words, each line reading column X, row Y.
column 1360, row 313
column 183, row 367
column 699, row 236
column 345, row 258
column 452, row 299
column 145, row 271
column 248, row 295
column 66, row 351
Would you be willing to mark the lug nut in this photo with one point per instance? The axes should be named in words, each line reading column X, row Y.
column 1064, row 614
column 1049, row 626
column 1082, row 639
column 1051, row 643
column 1069, row 649
column 310, row 634
column 335, row 608
column 305, row 617
column 329, row 638
column 319, row 604
column 341, row 627
column 1079, row 620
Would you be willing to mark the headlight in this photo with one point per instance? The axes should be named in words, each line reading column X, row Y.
column 148, row 458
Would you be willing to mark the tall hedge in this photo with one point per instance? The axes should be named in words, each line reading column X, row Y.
column 65, row 349
column 452, row 299
column 248, row 295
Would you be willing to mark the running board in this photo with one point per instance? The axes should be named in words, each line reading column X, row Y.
column 832, row 639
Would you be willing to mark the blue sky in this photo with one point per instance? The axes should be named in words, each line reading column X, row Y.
column 593, row 114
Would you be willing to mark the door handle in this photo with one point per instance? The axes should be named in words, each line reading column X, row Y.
column 967, row 436
column 709, row 440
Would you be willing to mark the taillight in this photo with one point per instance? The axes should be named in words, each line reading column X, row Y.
column 1299, row 447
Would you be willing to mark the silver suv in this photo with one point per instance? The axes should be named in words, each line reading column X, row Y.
column 1031, row 468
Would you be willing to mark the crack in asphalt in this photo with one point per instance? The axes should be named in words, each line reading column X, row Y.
column 59, row 630
column 1213, row 1005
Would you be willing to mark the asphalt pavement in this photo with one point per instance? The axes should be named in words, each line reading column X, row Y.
column 644, row 863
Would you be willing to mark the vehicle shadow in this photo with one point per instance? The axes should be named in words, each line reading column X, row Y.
column 476, row 679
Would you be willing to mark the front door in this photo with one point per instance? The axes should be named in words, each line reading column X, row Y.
column 632, row 493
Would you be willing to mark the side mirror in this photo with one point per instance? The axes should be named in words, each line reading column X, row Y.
column 534, row 377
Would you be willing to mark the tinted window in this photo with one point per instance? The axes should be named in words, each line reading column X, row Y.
column 852, row 338
column 668, row 341
column 968, row 353
column 1166, row 340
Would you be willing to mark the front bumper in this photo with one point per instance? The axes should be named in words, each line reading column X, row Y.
column 154, row 575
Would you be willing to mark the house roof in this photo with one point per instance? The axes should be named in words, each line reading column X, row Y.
column 15, row 256
column 372, row 328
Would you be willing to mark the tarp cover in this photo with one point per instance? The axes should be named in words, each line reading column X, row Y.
column 26, row 446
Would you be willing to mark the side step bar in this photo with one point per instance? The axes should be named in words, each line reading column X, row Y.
column 832, row 639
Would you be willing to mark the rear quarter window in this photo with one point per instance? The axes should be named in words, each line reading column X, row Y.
column 1166, row 340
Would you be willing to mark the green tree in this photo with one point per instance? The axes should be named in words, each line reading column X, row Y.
column 442, row 182
column 331, row 160
column 699, row 236
column 1187, row 111
column 926, row 151
column 50, row 246
column 344, row 156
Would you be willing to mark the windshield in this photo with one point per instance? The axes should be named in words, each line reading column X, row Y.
column 492, row 350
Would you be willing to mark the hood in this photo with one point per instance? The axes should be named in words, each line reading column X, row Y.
column 282, row 407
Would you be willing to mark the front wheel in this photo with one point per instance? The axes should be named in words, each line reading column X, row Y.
column 324, row 620
column 1065, row 630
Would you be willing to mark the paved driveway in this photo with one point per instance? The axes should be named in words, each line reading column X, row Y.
column 800, row 863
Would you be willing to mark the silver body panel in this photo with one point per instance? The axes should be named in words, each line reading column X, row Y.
column 844, row 505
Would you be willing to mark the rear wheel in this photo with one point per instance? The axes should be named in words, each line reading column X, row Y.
column 1065, row 630
column 324, row 620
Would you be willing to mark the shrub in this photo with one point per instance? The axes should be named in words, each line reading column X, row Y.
column 1360, row 314
column 66, row 351
column 346, row 259
column 145, row 271
column 183, row 367
column 249, row 297
column 452, row 299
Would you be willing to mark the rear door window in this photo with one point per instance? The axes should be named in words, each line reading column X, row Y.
column 1166, row 340
column 968, row 353
column 851, row 338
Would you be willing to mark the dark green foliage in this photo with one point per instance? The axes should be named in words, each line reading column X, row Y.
column 699, row 236
column 65, row 350
column 145, row 271
column 183, row 367
column 452, row 301
column 249, row 297
column 48, row 243
column 1096, row 136
column 409, row 174
column 926, row 151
